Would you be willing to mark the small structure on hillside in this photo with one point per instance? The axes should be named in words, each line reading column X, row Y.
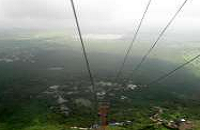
column 180, row 124
column 131, row 86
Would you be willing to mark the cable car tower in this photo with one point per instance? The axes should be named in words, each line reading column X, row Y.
column 103, row 111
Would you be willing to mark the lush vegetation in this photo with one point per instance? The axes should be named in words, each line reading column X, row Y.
column 24, row 106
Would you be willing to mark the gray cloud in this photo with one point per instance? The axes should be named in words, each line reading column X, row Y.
column 98, row 16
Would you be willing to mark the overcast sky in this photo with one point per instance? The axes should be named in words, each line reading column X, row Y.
column 99, row 16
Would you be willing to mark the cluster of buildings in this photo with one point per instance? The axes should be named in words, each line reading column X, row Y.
column 178, row 124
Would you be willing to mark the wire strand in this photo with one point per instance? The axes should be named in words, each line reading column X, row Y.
column 173, row 71
column 119, row 72
column 133, row 40
column 159, row 37
column 152, row 47
column 86, row 58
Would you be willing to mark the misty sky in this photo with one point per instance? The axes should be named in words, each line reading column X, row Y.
column 99, row 16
